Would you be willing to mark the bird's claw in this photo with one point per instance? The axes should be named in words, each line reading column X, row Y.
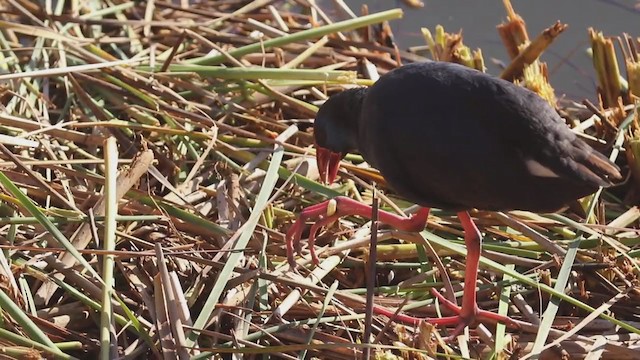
column 326, row 213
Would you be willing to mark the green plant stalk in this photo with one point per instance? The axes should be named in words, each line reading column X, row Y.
column 70, row 345
column 107, row 343
column 26, row 292
column 633, row 73
column 404, row 251
column 140, row 94
column 123, row 124
column 554, row 303
column 263, row 284
column 227, row 87
column 256, row 73
column 247, row 317
column 300, row 36
column 606, row 66
column 527, row 249
column 181, row 214
column 275, row 95
column 503, row 309
column 423, row 289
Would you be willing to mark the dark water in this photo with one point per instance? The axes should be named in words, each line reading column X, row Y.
column 571, row 71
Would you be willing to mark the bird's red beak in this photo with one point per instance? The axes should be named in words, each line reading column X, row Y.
column 328, row 164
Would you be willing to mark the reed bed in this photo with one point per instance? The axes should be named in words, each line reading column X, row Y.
column 155, row 153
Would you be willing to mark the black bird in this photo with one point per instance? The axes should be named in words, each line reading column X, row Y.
column 447, row 136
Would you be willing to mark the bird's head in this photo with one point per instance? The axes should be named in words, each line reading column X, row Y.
column 335, row 131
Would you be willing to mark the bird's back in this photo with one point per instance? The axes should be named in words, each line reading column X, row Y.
column 447, row 136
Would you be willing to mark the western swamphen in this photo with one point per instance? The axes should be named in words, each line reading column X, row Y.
column 447, row 136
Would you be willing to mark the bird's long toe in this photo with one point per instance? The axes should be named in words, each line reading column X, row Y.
column 467, row 316
column 292, row 241
column 315, row 228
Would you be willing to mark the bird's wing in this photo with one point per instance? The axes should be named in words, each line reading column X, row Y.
column 549, row 141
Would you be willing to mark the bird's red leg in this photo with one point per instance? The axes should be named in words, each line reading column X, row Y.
column 340, row 206
column 473, row 242
column 469, row 313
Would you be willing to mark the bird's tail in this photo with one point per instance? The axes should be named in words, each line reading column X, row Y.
column 597, row 167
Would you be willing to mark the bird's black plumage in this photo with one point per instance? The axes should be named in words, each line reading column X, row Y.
column 447, row 136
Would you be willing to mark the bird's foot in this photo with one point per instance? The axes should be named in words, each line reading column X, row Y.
column 467, row 316
column 461, row 319
column 326, row 213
